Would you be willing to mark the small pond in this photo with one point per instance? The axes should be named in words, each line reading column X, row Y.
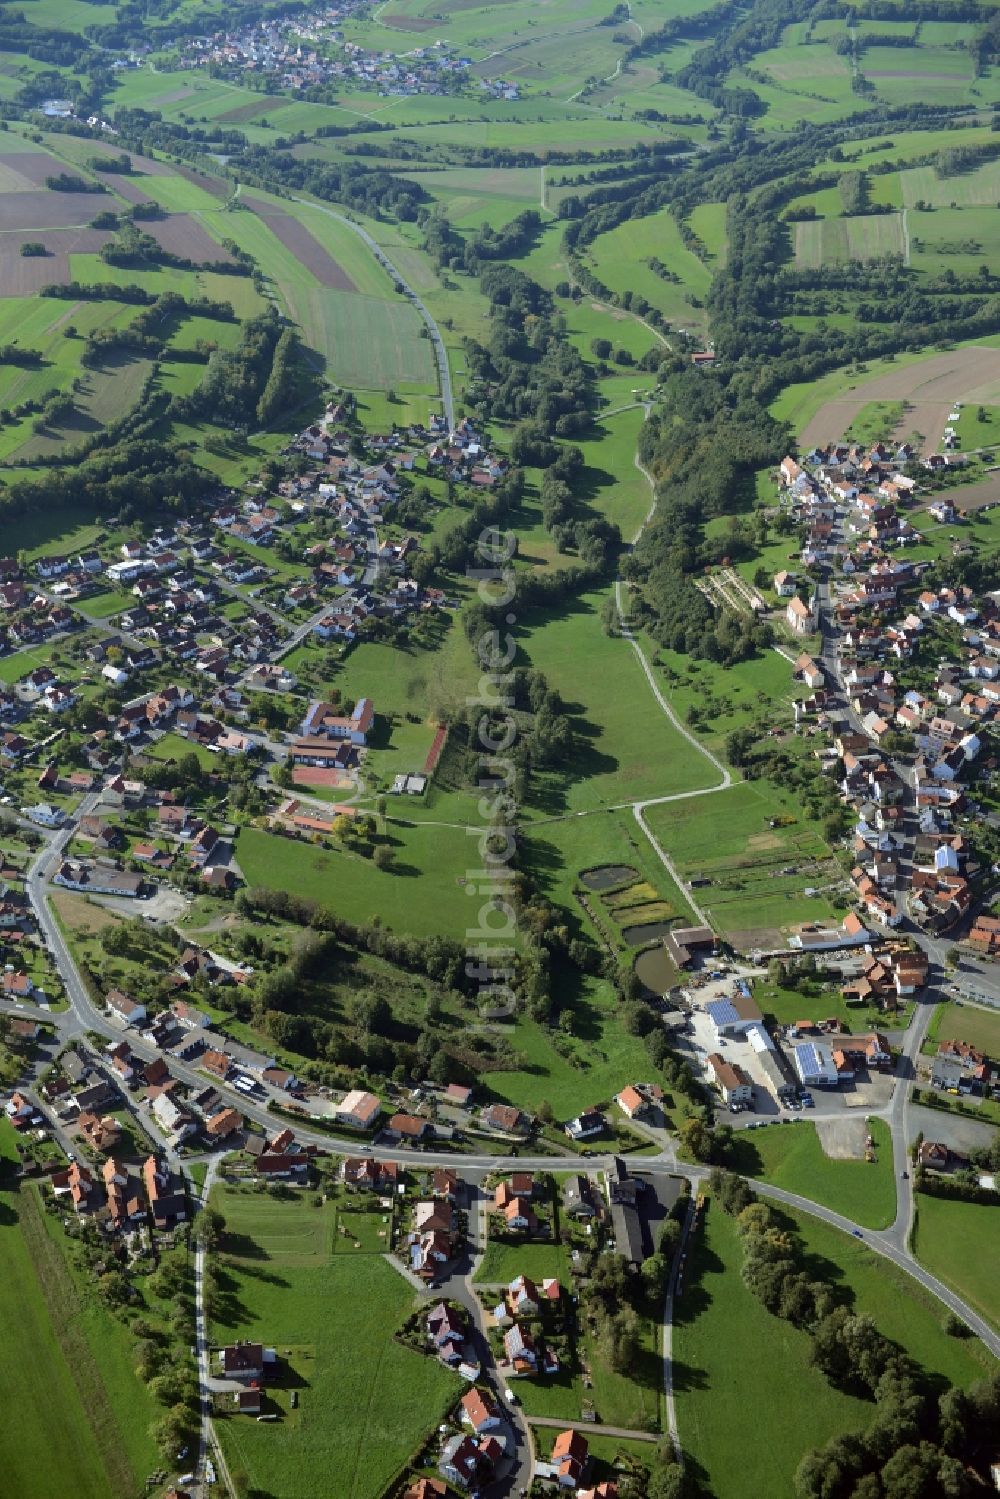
column 607, row 876
column 654, row 969
column 637, row 936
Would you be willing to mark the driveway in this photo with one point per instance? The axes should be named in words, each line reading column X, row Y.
column 956, row 1131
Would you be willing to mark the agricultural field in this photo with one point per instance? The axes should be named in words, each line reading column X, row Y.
column 953, row 239
column 823, row 410
column 328, row 281
column 807, row 74
column 322, row 1308
column 708, row 221
column 472, row 197
column 332, row 286
column 834, row 241
column 82, row 1416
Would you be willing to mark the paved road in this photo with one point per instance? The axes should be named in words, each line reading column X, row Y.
column 437, row 342
column 458, row 1286
column 668, row 1332
column 83, row 1016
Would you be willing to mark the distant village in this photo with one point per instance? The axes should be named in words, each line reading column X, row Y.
column 309, row 51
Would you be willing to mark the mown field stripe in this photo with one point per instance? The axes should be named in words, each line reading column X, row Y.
column 61, row 1299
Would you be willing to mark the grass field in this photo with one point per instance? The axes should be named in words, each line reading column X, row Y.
column 176, row 747
column 875, row 420
column 422, row 894
column 297, row 1237
column 833, row 241
column 620, row 258
column 365, row 1401
column 708, row 221
column 628, row 747
column 979, row 188
column 793, row 1158
column 745, row 1436
column 905, row 1312
column 503, row 1263
column 595, row 1063
column 728, row 838
column 960, row 1243
column 957, row 239
column 81, row 1414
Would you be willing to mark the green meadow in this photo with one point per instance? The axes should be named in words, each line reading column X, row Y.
column 364, row 1400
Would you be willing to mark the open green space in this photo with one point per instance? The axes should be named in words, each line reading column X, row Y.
column 175, row 747
column 628, row 748
column 594, row 1063
column 960, row 1243
column 82, row 1416
column 875, row 420
column 744, row 840
column 503, row 1263
column 279, row 1230
column 364, row 1400
column 746, row 1436
column 621, row 259
column 362, row 1233
column 903, row 1309
column 423, row 892
column 792, row 1157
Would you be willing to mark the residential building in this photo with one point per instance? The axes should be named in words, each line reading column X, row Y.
column 359, row 1110
column 732, row 1081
